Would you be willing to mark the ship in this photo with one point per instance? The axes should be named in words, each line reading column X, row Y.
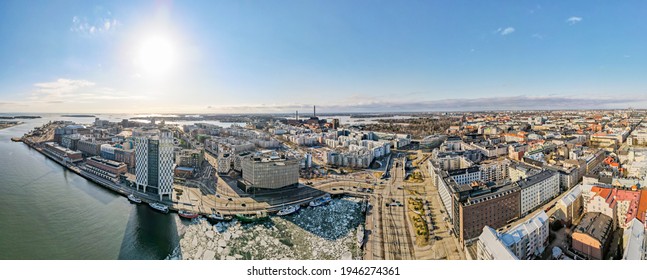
column 288, row 210
column 159, row 207
column 254, row 217
column 320, row 201
column 187, row 214
column 134, row 199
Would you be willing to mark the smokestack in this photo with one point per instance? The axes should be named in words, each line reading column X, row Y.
column 297, row 116
column 314, row 110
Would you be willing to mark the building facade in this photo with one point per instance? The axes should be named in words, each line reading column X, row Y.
column 524, row 241
column 537, row 190
column 592, row 235
column 154, row 167
column 494, row 207
column 270, row 172
column 104, row 168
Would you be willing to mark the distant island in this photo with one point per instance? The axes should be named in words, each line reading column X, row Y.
column 19, row 117
column 78, row 116
column 8, row 124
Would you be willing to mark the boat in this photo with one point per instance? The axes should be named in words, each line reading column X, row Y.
column 134, row 199
column 288, row 210
column 217, row 217
column 320, row 201
column 254, row 217
column 187, row 214
column 159, row 207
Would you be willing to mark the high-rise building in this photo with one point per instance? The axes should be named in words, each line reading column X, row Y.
column 154, row 166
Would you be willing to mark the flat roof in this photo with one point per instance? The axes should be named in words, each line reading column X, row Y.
column 534, row 179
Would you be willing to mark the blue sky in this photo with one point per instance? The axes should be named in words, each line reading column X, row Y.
column 343, row 56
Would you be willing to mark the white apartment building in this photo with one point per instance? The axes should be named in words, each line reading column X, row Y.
column 520, row 242
column 634, row 241
column 490, row 247
column 493, row 171
column 466, row 175
column 224, row 163
column 538, row 189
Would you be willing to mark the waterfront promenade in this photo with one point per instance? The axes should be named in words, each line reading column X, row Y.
column 225, row 201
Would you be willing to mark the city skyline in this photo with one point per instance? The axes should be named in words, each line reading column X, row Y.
column 360, row 56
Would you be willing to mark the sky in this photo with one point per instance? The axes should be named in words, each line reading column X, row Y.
column 340, row 55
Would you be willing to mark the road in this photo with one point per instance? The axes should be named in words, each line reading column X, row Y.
column 394, row 229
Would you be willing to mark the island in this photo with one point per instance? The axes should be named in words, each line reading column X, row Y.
column 19, row 117
column 78, row 116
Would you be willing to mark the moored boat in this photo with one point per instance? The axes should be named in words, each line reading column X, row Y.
column 187, row 214
column 217, row 217
column 320, row 201
column 134, row 199
column 288, row 210
column 159, row 207
column 254, row 217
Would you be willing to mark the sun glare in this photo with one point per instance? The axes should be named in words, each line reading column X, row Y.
column 156, row 56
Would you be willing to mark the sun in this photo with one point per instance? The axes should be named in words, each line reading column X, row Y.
column 156, row 56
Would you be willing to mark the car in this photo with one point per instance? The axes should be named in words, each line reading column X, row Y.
column 393, row 204
column 369, row 190
column 400, row 188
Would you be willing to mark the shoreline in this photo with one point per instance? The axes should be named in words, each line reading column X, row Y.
column 115, row 189
column 9, row 125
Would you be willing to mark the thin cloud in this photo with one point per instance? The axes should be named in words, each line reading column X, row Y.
column 521, row 102
column 505, row 31
column 538, row 36
column 574, row 20
column 76, row 91
column 100, row 22
column 61, row 86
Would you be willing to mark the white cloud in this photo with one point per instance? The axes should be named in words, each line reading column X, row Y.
column 538, row 36
column 507, row 30
column 504, row 31
column 574, row 20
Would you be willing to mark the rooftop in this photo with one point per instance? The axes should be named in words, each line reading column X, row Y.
column 596, row 225
column 634, row 240
column 534, row 179
column 490, row 239
column 516, row 234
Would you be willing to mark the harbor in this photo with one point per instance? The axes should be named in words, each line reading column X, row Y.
column 327, row 215
column 327, row 232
